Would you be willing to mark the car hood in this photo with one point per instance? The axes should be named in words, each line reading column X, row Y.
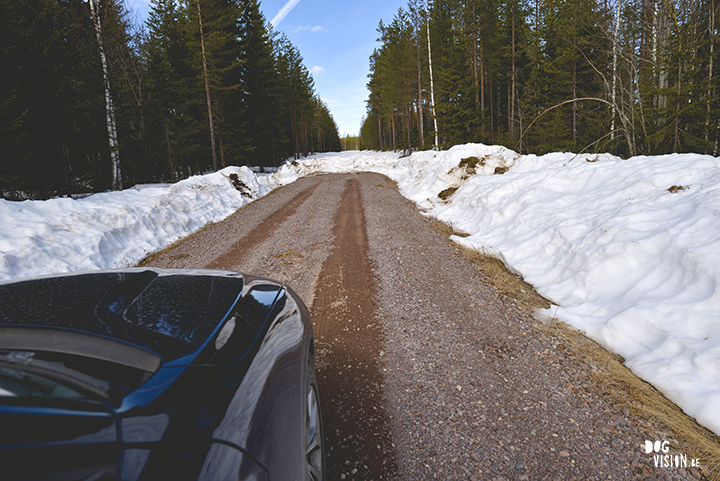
column 137, row 329
column 171, row 313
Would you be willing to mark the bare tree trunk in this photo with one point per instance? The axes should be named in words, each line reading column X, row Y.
column 417, row 25
column 296, row 135
column 392, row 118
column 306, row 146
column 491, row 101
column 475, row 59
column 653, row 49
column 514, row 78
column 574, row 78
column 660, row 37
column 380, row 140
column 109, row 110
column 676, row 139
column 640, row 102
column 711, row 28
column 616, row 47
column 574, row 104
column 432, row 83
column 207, row 89
column 409, row 118
column 419, row 102
column 65, row 159
column 406, row 109
column 482, row 77
column 169, row 151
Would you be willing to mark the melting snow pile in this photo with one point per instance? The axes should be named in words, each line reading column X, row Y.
column 116, row 229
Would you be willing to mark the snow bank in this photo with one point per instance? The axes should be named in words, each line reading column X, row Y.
column 115, row 229
column 629, row 250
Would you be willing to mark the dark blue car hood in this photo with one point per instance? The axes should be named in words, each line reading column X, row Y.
column 141, row 326
column 171, row 315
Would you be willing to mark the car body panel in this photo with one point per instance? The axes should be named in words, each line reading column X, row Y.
column 71, row 423
column 263, row 402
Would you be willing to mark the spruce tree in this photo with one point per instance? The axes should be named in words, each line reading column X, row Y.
column 296, row 106
column 260, row 98
column 172, row 91
column 51, row 112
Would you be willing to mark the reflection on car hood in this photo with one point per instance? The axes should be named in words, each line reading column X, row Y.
column 170, row 314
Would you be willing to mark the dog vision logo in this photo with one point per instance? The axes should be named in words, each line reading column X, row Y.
column 663, row 459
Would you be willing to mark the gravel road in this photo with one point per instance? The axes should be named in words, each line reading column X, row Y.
column 424, row 371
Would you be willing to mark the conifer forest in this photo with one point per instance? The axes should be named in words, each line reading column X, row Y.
column 93, row 99
column 630, row 77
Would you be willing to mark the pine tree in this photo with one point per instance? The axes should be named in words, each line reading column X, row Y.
column 296, row 87
column 259, row 97
column 173, row 105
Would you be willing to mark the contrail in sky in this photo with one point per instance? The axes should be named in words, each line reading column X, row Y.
column 284, row 11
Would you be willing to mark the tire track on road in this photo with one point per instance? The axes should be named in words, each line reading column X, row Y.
column 232, row 258
column 348, row 340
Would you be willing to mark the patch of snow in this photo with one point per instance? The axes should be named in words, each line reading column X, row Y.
column 115, row 229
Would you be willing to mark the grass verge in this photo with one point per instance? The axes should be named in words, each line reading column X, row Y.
column 156, row 255
column 614, row 382
column 627, row 392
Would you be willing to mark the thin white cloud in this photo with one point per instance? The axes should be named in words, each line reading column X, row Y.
column 317, row 70
column 308, row 28
column 330, row 101
column 283, row 12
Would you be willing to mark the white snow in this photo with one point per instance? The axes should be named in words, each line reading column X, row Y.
column 114, row 229
column 628, row 250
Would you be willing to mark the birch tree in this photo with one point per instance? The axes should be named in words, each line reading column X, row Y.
column 432, row 82
column 616, row 48
column 116, row 182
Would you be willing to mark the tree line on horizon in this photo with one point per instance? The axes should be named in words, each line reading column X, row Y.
column 202, row 84
column 628, row 77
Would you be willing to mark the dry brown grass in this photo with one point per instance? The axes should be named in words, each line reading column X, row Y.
column 444, row 228
column 627, row 392
column 156, row 255
column 613, row 381
column 445, row 194
column 505, row 282
column 390, row 184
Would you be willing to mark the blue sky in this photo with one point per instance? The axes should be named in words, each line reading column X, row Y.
column 336, row 39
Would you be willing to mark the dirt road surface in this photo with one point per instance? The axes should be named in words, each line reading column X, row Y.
column 424, row 371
